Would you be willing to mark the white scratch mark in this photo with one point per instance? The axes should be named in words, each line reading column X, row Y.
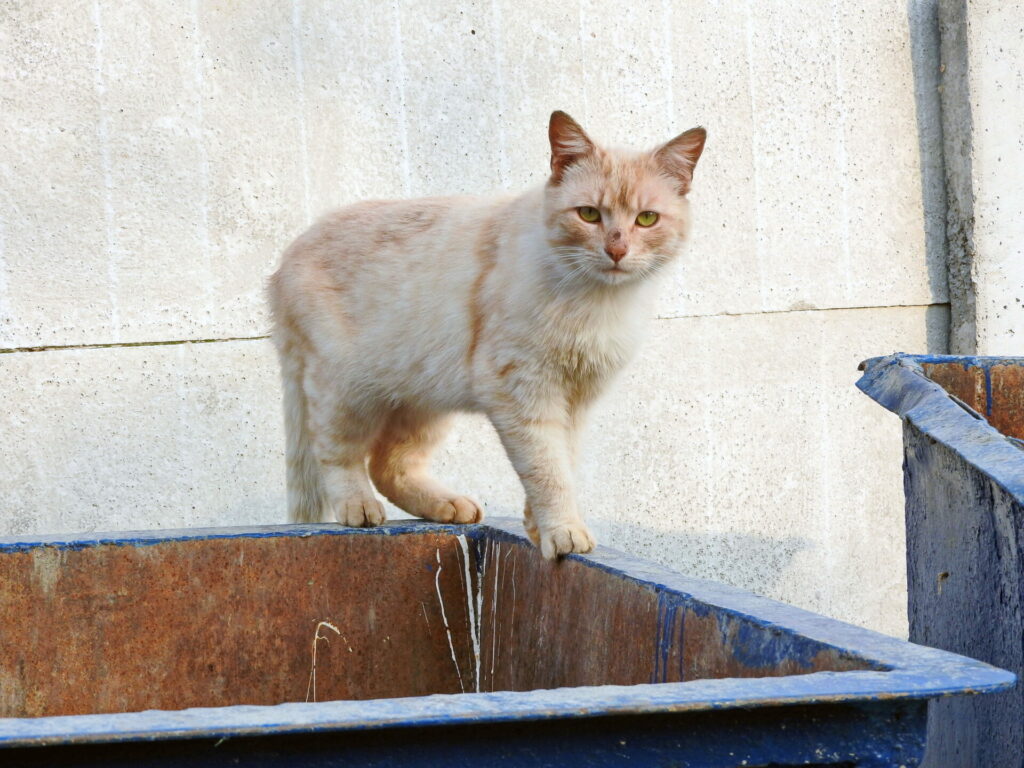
column 444, row 618
column 403, row 116
column 474, row 608
column 512, row 618
column 494, row 611
column 462, row 581
column 311, row 685
column 204, row 160
column 300, row 87
column 103, row 130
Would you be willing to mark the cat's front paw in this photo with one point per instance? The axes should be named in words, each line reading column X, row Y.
column 361, row 512
column 459, row 509
column 565, row 539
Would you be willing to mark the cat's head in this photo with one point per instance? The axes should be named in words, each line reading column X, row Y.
column 616, row 216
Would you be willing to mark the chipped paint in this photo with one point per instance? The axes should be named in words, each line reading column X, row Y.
column 474, row 599
column 444, row 618
column 317, row 637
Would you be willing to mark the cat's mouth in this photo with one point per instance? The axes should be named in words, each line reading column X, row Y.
column 615, row 273
column 615, row 276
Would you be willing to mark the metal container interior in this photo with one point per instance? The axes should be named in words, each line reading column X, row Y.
column 993, row 387
column 138, row 624
column 322, row 640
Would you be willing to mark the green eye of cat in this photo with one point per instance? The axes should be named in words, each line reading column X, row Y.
column 589, row 214
column 647, row 219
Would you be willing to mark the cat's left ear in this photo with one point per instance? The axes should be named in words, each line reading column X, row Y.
column 679, row 157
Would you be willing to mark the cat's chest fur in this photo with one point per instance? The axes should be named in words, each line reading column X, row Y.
column 588, row 341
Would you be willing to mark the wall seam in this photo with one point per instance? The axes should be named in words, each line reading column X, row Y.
column 809, row 310
column 114, row 345
column 171, row 342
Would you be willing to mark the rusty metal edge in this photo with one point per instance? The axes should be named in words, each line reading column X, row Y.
column 914, row 672
column 898, row 383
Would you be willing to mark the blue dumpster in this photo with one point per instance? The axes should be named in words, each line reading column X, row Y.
column 963, row 476
column 425, row 644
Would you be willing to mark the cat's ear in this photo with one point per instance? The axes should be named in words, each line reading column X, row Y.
column 679, row 157
column 569, row 143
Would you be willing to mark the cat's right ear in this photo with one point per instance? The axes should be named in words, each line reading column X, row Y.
column 569, row 143
column 679, row 157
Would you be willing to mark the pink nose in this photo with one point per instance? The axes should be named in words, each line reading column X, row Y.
column 616, row 247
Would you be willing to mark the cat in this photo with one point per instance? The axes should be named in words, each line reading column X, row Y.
column 390, row 316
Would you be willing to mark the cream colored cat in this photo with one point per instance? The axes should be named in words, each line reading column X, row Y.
column 392, row 315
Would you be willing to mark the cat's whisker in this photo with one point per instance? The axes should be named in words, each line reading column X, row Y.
column 567, row 279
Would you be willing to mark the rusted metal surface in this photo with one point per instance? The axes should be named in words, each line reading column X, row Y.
column 992, row 388
column 966, row 382
column 580, row 627
column 227, row 621
column 1008, row 399
column 217, row 622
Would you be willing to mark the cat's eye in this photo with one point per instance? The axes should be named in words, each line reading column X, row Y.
column 589, row 213
column 647, row 219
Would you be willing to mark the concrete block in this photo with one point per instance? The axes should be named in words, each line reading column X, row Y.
column 540, row 68
column 182, row 149
column 254, row 173
column 450, row 78
column 711, row 64
column 889, row 155
column 53, row 281
column 352, row 95
column 821, row 240
column 141, row 437
column 170, row 171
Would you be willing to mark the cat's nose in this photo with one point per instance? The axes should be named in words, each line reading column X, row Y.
column 616, row 251
column 616, row 246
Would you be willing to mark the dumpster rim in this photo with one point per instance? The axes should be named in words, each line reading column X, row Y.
column 898, row 383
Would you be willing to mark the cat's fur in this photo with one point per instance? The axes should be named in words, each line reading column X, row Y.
column 392, row 315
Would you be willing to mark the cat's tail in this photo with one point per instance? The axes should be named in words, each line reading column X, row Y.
column 306, row 498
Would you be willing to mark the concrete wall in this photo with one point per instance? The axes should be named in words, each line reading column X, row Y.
column 158, row 156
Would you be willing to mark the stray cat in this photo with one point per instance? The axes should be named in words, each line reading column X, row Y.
column 392, row 315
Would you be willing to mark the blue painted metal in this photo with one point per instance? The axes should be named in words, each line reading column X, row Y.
column 872, row 715
column 964, row 487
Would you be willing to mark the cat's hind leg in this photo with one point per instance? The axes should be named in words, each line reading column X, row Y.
column 343, row 428
column 400, row 468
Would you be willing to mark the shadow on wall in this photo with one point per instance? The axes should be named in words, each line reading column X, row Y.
column 923, row 18
column 753, row 562
column 937, row 330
